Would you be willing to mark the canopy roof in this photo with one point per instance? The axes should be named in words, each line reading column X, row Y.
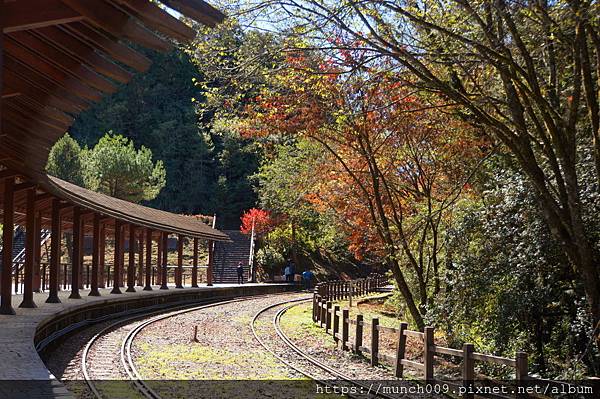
column 57, row 58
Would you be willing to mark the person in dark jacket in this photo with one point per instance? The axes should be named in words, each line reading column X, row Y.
column 240, row 273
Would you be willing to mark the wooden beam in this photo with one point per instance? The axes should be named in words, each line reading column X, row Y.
column 96, row 236
column 157, row 19
column 117, row 258
column 131, row 266
column 65, row 61
column 25, row 186
column 77, row 252
column 117, row 23
column 49, row 114
column 2, row 84
column 7, row 239
column 148, row 280
column 195, row 264
column 198, row 10
column 44, row 67
column 30, row 14
column 110, row 46
column 55, row 252
column 43, row 197
column 8, row 92
column 40, row 90
column 164, row 260
column 179, row 274
column 84, row 53
column 7, row 174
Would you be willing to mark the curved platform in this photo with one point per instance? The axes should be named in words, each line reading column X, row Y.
column 19, row 335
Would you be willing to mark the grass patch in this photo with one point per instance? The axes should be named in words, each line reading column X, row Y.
column 199, row 362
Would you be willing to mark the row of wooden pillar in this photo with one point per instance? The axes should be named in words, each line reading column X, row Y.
column 31, row 269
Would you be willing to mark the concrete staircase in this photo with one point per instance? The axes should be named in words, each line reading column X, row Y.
column 228, row 255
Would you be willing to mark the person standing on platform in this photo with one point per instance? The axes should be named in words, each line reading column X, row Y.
column 290, row 270
column 240, row 273
column 307, row 276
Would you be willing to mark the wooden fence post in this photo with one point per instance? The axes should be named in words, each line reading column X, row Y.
column 336, row 322
column 345, row 328
column 400, row 350
column 314, row 308
column 328, row 318
column 468, row 370
column 521, row 372
column 428, row 354
column 323, row 313
column 358, row 336
column 374, row 342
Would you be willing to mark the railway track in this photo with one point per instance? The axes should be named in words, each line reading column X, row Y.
column 290, row 354
column 108, row 354
column 100, row 349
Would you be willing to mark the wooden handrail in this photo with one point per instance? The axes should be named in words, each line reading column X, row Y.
column 338, row 321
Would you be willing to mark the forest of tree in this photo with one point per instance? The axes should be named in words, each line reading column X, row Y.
column 206, row 171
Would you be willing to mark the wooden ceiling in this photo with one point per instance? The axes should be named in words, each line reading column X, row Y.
column 59, row 57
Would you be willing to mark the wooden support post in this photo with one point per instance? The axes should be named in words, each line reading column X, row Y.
column 165, row 252
column 358, row 333
column 323, row 313
column 328, row 317
column 158, row 268
column 195, row 265
column 81, row 238
column 122, row 257
column 521, row 373
column 211, row 259
column 117, row 257
column 140, row 273
column 131, row 266
column 102, row 262
column 345, row 328
column 54, row 253
column 428, row 354
column 96, row 237
column 30, row 238
column 400, row 350
column 37, row 258
column 148, row 285
column 374, row 341
column 179, row 274
column 468, row 370
column 336, row 322
column 76, row 255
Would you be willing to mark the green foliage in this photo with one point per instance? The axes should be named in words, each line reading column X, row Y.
column 284, row 182
column 509, row 287
column 206, row 170
column 236, row 160
column 116, row 168
column 65, row 160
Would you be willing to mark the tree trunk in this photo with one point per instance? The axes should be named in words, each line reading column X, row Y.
column 408, row 296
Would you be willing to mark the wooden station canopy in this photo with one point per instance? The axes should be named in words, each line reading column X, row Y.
column 59, row 57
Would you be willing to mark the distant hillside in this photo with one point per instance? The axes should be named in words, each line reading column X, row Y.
column 206, row 173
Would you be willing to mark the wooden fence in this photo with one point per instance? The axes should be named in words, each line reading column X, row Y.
column 338, row 323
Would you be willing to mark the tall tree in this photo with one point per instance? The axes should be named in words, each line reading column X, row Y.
column 395, row 167
column 116, row 168
column 65, row 160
